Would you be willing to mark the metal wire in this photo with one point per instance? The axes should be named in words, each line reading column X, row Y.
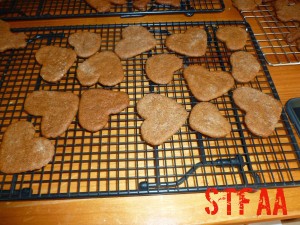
column 271, row 36
column 48, row 9
column 116, row 161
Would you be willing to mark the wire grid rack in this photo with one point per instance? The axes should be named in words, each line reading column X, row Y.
column 271, row 36
column 47, row 9
column 115, row 161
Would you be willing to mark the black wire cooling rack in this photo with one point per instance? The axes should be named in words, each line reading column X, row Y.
column 271, row 35
column 116, row 161
column 47, row 9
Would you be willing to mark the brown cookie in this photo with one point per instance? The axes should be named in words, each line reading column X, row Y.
column 244, row 66
column 9, row 40
column 103, row 67
column 246, row 4
column 97, row 104
column 289, row 12
column 58, row 110
column 104, row 5
column 234, row 37
column 55, row 61
column 136, row 40
column 140, row 4
column 298, row 44
column 207, row 85
column 206, row 119
column 160, row 68
column 293, row 36
column 85, row 43
column 192, row 43
column 20, row 151
column 163, row 118
column 262, row 110
column 175, row 3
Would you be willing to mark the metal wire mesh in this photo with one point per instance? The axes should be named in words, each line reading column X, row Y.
column 47, row 9
column 271, row 36
column 116, row 161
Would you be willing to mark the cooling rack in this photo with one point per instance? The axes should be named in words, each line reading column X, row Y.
column 47, row 9
column 271, row 36
column 116, row 161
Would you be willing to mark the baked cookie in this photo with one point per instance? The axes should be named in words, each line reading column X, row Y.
column 136, row 40
column 140, row 4
column 293, row 36
column 246, row 4
column 85, row 43
column 9, row 40
column 160, row 68
column 104, row 5
column 174, row 3
column 163, row 118
column 234, row 37
column 97, row 104
column 192, row 43
column 57, row 109
column 289, row 12
column 244, row 66
column 20, row 151
column 207, row 85
column 262, row 110
column 207, row 119
column 55, row 61
column 103, row 67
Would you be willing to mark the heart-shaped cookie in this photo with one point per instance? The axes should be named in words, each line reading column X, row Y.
column 55, row 61
column 58, row 110
column 160, row 68
column 85, row 43
column 234, row 37
column 207, row 85
column 246, row 4
column 163, row 118
column 103, row 67
column 20, row 151
column 97, row 104
column 262, row 110
column 104, row 5
column 289, row 12
column 140, row 4
column 244, row 66
column 9, row 40
column 207, row 119
column 136, row 40
column 192, row 43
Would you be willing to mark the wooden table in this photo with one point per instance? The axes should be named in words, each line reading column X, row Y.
column 159, row 209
